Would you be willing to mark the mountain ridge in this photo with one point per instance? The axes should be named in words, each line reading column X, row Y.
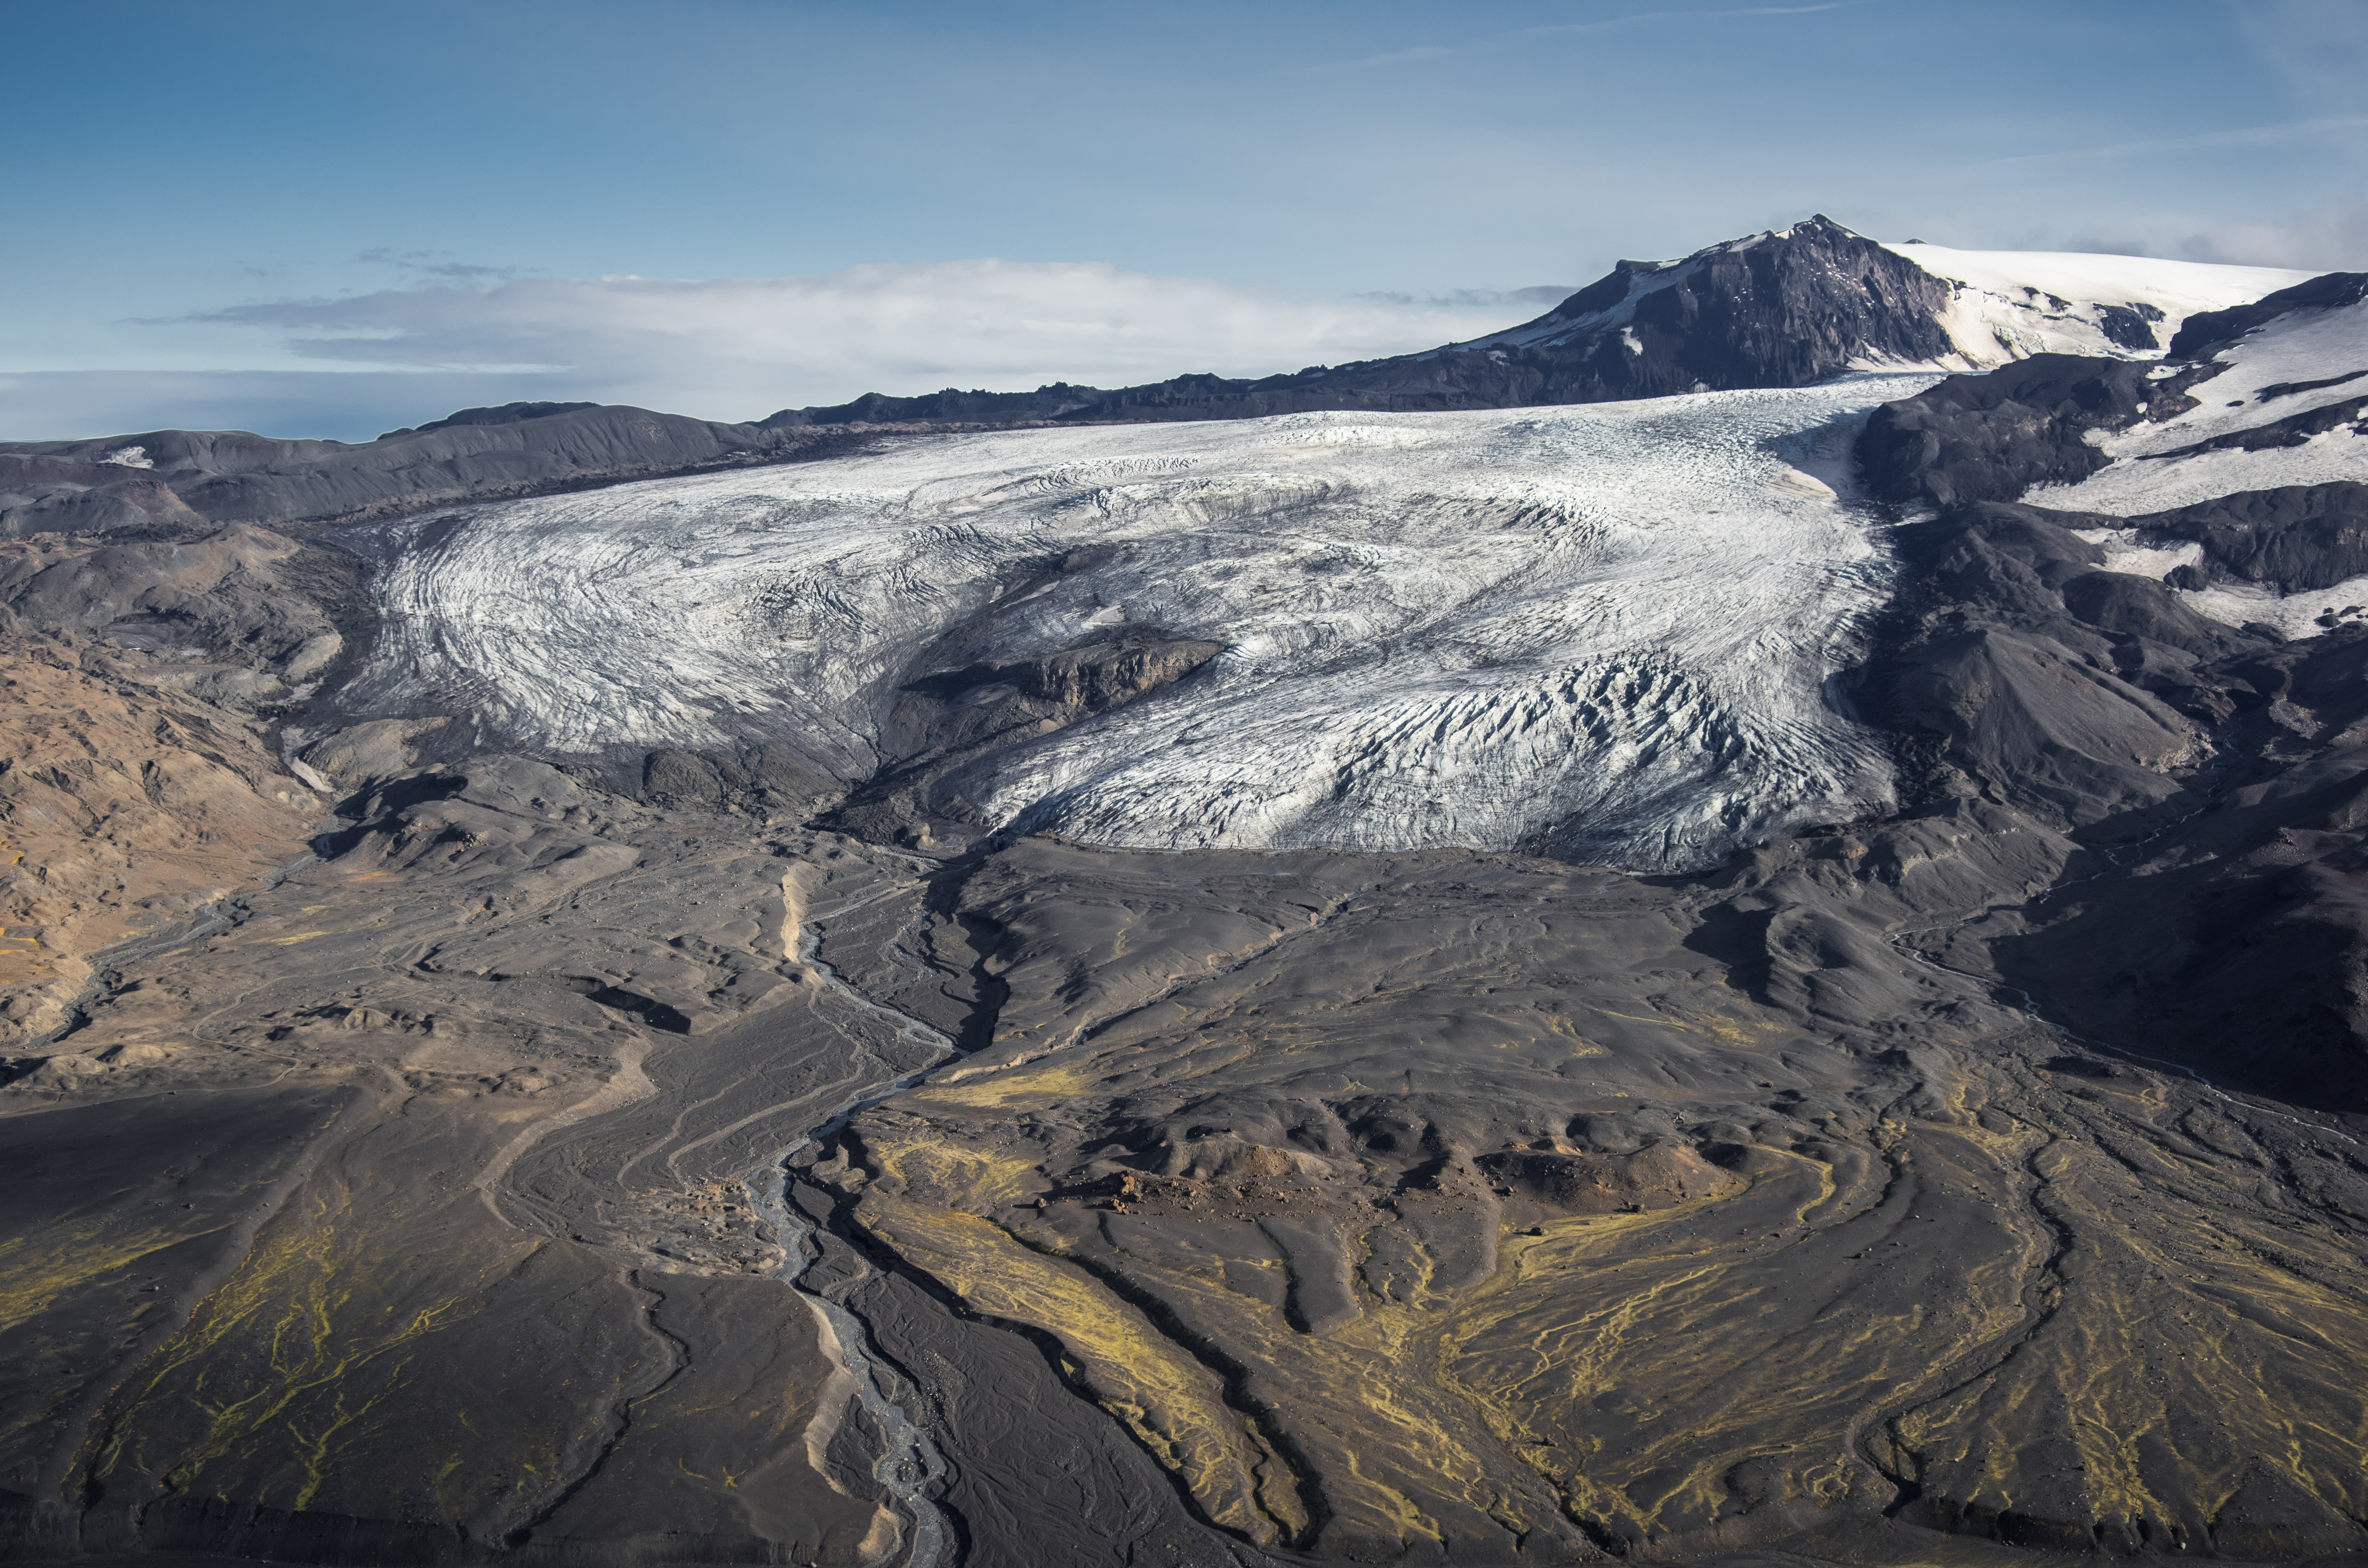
column 1783, row 308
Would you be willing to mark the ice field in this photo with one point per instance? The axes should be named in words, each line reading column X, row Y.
column 1605, row 629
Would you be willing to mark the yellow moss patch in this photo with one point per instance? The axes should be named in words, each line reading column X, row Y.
column 1172, row 1404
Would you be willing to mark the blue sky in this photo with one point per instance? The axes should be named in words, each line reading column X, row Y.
column 331, row 220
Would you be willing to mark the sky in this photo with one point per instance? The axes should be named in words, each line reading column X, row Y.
column 332, row 220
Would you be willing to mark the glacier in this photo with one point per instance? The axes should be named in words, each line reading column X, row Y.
column 2009, row 305
column 1607, row 632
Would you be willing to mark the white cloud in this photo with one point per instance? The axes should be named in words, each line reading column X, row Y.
column 2330, row 238
column 741, row 347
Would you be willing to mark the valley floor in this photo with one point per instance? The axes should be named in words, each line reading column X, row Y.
column 1445, row 1207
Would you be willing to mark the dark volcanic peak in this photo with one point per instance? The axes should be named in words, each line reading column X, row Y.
column 1791, row 307
column 1783, row 308
column 1780, row 309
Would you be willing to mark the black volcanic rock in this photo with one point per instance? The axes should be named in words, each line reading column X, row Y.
column 2130, row 605
column 2292, row 431
column 949, row 406
column 2130, row 325
column 1990, row 437
column 504, row 413
column 2012, row 660
column 2297, row 537
column 2010, row 667
column 2207, row 332
column 941, row 720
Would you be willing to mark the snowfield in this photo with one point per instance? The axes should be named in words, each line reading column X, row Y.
column 2013, row 304
column 2267, row 376
column 1606, row 629
column 2302, row 346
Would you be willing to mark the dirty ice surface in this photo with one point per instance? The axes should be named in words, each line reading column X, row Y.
column 1605, row 631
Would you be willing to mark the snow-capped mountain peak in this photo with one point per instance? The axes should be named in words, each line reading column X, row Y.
column 1612, row 300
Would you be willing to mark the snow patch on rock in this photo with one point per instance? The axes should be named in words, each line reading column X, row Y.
column 2013, row 304
column 2296, row 364
column 2263, row 380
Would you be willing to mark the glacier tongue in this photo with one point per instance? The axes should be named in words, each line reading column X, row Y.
column 1602, row 630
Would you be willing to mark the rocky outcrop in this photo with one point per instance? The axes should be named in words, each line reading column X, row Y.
column 2014, row 668
column 1991, row 437
column 2208, row 331
column 939, row 722
column 126, row 805
column 2295, row 537
column 950, row 406
column 241, row 616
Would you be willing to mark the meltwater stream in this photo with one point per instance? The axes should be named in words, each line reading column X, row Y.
column 909, row 1462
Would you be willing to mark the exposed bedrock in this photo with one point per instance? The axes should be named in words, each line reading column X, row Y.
column 126, row 802
column 2012, row 665
column 2217, row 763
column 1991, row 437
column 2295, row 537
column 239, row 616
column 2207, row 332
column 939, row 723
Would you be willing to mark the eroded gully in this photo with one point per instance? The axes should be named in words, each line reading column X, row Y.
column 2123, row 858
